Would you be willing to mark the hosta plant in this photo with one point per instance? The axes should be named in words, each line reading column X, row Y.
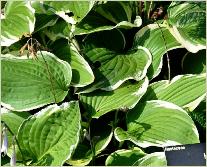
column 101, row 82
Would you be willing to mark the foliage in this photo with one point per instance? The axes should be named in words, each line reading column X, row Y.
column 93, row 82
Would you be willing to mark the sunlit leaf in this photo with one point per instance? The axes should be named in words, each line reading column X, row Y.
column 17, row 20
column 186, row 91
column 188, row 22
column 50, row 136
column 28, row 84
column 125, row 97
column 114, row 68
column 158, row 123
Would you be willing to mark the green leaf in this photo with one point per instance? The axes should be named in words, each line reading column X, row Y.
column 199, row 62
column 158, row 123
column 113, row 40
column 50, row 136
column 186, row 91
column 188, row 20
column 116, row 12
column 153, row 159
column 82, row 73
column 17, row 20
column 125, row 157
column 79, row 9
column 94, row 23
column 13, row 120
column 28, row 84
column 158, row 40
column 115, row 68
column 126, row 96
column 101, row 135
column 199, row 114
column 59, row 30
column 43, row 21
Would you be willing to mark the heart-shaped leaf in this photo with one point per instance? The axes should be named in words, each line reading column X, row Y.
column 158, row 123
column 50, row 136
column 17, row 20
column 158, row 39
column 186, row 91
column 188, row 22
column 113, row 69
column 125, row 157
column 28, row 84
column 126, row 96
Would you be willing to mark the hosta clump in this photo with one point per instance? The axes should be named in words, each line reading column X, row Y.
column 96, row 83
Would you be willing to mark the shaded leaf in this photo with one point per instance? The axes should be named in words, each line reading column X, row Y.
column 199, row 63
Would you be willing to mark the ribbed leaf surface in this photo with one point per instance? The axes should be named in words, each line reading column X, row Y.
column 50, row 136
column 28, row 84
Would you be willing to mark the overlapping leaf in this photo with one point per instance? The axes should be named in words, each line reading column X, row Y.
column 188, row 22
column 158, row 123
column 113, row 69
column 50, row 136
column 101, row 136
column 82, row 72
column 28, row 84
column 17, row 20
column 186, row 91
column 157, row 38
column 126, row 96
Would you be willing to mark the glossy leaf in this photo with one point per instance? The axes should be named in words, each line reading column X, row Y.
column 82, row 73
column 126, row 96
column 50, row 136
column 188, row 21
column 186, row 91
column 158, row 123
column 125, row 157
column 157, row 38
column 113, row 68
column 28, row 84
column 14, row 24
